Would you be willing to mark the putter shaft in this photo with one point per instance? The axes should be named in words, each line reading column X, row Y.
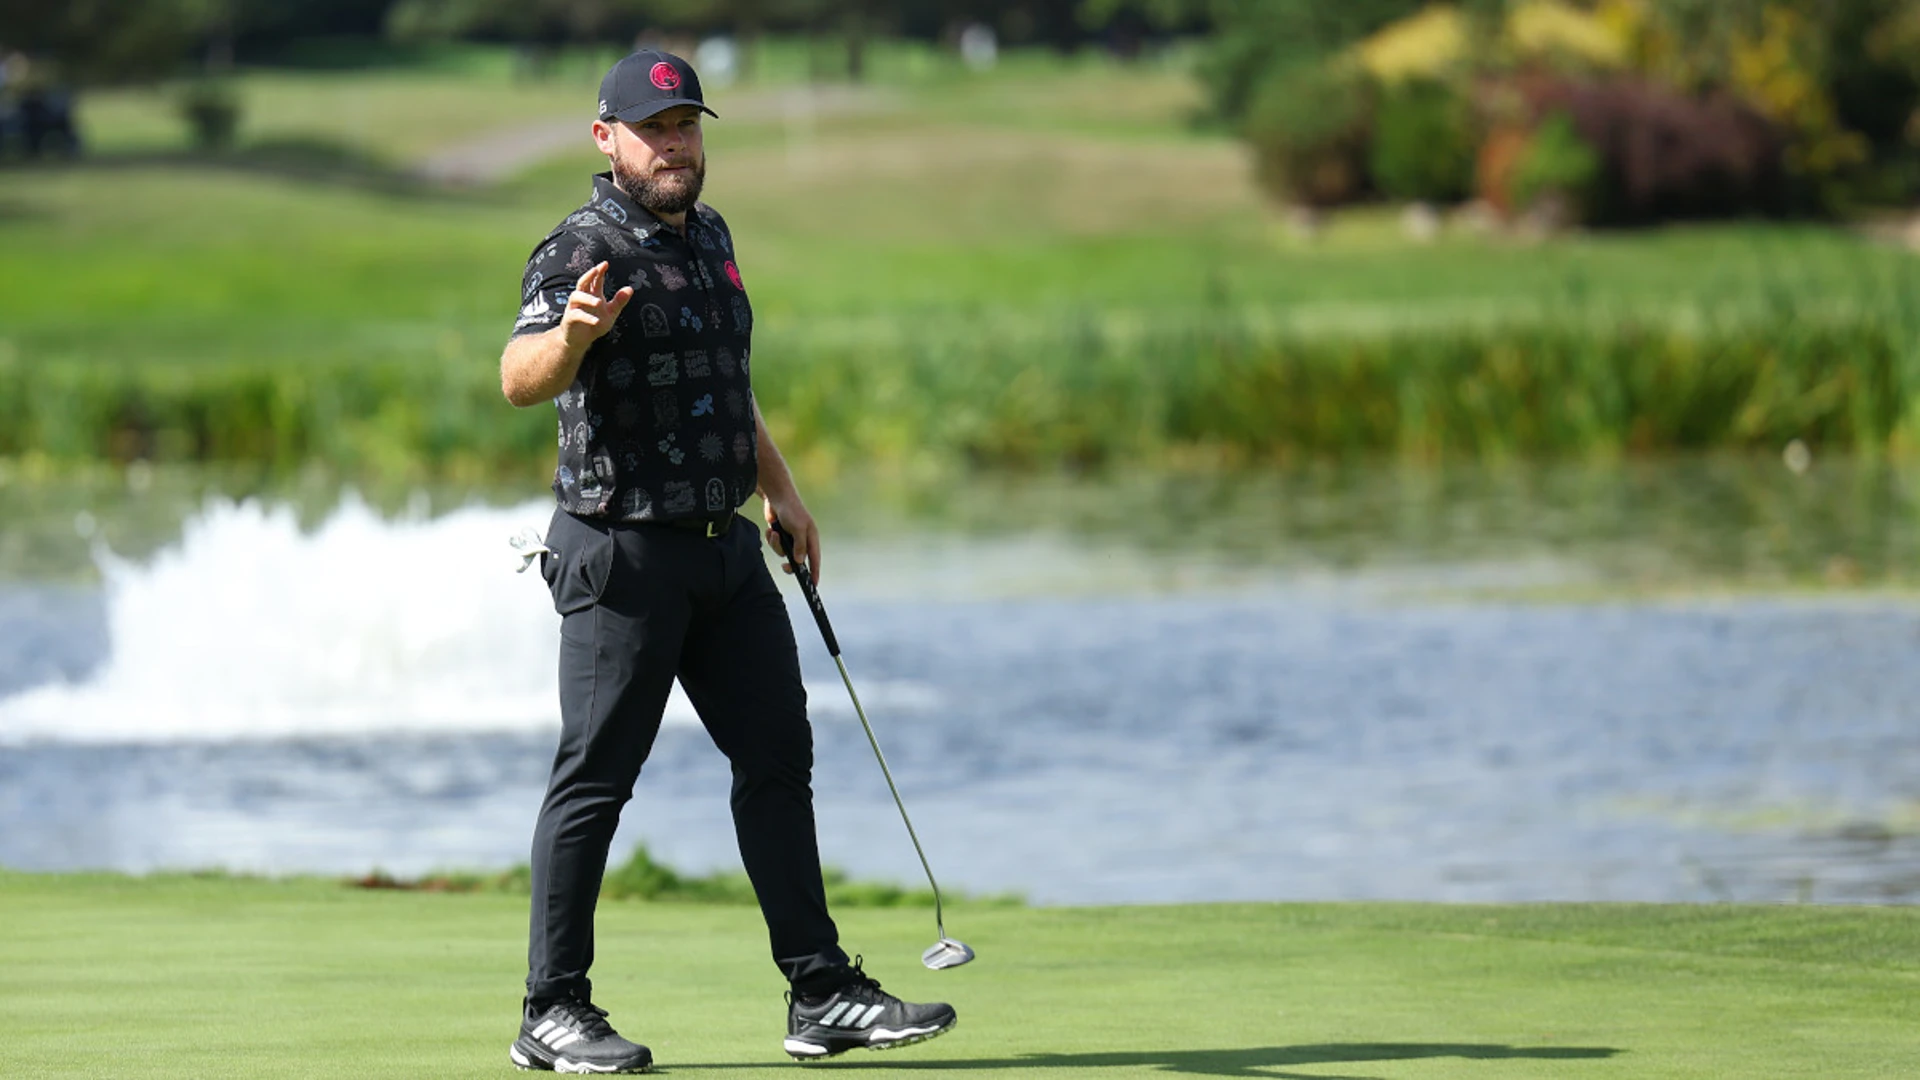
column 807, row 588
column 819, row 609
column 939, row 921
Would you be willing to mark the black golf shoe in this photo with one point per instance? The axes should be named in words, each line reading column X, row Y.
column 571, row 1036
column 859, row 1014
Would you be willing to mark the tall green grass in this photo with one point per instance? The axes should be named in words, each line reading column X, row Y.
column 1085, row 391
column 1230, row 388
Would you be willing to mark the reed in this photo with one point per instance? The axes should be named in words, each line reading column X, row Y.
column 1080, row 390
column 1096, row 392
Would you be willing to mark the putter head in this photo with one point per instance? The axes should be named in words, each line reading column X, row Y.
column 946, row 953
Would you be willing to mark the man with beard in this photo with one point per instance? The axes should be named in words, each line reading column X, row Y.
column 635, row 323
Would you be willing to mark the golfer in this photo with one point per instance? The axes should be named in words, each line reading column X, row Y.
column 634, row 322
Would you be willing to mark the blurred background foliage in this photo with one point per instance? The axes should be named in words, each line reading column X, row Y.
column 1791, row 106
column 1023, row 233
column 1825, row 90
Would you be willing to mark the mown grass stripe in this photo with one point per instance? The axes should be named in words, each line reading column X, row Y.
column 180, row 976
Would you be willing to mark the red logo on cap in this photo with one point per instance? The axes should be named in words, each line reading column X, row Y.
column 733, row 275
column 664, row 76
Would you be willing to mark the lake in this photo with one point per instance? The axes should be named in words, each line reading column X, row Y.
column 1652, row 681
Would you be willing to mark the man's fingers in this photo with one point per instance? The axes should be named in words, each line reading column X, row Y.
column 777, row 539
column 593, row 302
column 805, row 541
column 781, row 539
column 806, row 547
column 592, row 281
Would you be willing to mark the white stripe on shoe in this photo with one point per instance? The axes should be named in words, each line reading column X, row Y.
column 545, row 1026
column 867, row 1020
column 563, row 1065
column 833, row 1014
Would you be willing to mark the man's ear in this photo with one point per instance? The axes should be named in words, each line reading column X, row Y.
column 603, row 136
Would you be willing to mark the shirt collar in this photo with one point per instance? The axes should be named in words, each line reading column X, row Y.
column 608, row 199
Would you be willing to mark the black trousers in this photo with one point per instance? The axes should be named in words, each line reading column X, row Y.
column 640, row 605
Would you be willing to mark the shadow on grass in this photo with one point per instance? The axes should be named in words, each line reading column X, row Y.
column 1257, row 1061
column 318, row 162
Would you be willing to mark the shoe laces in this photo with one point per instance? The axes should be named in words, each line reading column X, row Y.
column 857, row 984
column 860, row 983
column 587, row 1018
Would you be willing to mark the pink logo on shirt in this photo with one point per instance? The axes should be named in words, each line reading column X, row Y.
column 733, row 275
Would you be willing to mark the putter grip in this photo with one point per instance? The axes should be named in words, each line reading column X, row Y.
column 807, row 588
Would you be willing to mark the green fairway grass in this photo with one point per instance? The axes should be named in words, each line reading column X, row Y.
column 104, row 976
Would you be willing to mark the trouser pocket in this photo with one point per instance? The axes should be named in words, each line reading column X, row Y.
column 578, row 562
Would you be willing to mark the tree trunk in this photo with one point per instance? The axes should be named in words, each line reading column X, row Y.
column 747, row 31
column 856, row 30
column 220, row 46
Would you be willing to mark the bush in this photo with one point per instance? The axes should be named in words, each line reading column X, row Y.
column 1253, row 39
column 1558, row 163
column 1423, row 143
column 212, row 112
column 1309, row 127
column 1665, row 155
column 642, row 878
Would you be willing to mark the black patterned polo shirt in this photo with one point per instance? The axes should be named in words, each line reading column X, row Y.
column 658, row 424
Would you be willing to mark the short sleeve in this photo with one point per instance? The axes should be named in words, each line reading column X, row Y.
column 720, row 227
column 552, row 271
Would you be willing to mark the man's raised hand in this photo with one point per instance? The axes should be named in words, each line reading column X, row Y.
column 590, row 314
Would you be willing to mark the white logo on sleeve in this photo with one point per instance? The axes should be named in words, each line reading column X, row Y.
column 535, row 312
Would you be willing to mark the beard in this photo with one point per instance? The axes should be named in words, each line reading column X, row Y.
column 668, row 195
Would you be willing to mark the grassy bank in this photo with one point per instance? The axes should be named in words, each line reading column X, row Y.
column 108, row 976
column 1645, row 529
column 1088, row 393
column 641, row 877
column 938, row 273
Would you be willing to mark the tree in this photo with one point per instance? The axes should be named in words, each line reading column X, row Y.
column 106, row 41
column 525, row 22
column 1259, row 39
column 747, row 19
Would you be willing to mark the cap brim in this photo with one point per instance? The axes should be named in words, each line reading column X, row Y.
column 633, row 113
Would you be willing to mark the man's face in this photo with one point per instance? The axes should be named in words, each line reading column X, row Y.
column 660, row 162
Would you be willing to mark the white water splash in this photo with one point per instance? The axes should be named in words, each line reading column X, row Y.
column 251, row 628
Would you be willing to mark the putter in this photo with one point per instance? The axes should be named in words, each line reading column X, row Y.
column 946, row 952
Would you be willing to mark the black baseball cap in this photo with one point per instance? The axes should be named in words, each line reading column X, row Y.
column 648, row 82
